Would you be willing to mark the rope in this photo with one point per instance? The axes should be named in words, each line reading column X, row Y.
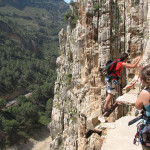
column 133, row 83
column 143, row 64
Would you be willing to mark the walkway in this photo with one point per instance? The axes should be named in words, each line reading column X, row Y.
column 120, row 136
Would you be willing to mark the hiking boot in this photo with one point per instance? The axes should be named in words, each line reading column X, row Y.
column 105, row 110
column 110, row 106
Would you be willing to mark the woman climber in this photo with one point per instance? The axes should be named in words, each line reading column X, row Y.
column 143, row 101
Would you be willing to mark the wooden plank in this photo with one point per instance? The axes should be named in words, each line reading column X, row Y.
column 107, row 113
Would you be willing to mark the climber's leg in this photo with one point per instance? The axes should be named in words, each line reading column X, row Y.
column 111, row 90
column 108, row 100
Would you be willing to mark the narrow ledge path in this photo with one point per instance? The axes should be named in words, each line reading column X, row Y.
column 120, row 136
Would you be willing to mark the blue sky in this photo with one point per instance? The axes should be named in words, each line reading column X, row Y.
column 67, row 1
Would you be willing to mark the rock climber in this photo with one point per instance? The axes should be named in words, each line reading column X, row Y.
column 112, row 84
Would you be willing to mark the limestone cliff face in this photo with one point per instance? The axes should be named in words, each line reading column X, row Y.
column 105, row 29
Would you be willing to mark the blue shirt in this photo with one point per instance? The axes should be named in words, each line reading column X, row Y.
column 147, row 107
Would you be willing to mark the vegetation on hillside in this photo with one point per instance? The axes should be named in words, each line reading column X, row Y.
column 28, row 45
column 20, row 121
column 28, row 51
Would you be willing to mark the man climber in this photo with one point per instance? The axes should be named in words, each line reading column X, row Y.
column 111, row 84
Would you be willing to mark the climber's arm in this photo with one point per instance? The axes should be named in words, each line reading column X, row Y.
column 127, row 65
column 142, row 100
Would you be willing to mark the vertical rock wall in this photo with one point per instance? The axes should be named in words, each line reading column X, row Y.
column 105, row 29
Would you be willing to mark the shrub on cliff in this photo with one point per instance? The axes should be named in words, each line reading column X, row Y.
column 71, row 15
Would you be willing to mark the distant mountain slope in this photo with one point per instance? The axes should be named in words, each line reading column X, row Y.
column 35, row 3
column 28, row 51
column 29, row 41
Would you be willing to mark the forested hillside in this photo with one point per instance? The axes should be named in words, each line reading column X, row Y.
column 28, row 51
column 28, row 42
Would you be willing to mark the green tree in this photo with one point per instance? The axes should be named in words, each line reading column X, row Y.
column 49, row 106
column 2, row 103
column 21, row 99
column 26, row 114
column 10, row 131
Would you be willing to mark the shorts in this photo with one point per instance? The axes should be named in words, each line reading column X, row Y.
column 111, row 86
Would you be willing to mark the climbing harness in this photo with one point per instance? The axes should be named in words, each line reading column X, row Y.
column 143, row 134
column 143, row 130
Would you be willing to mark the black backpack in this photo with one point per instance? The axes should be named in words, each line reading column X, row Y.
column 110, row 66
